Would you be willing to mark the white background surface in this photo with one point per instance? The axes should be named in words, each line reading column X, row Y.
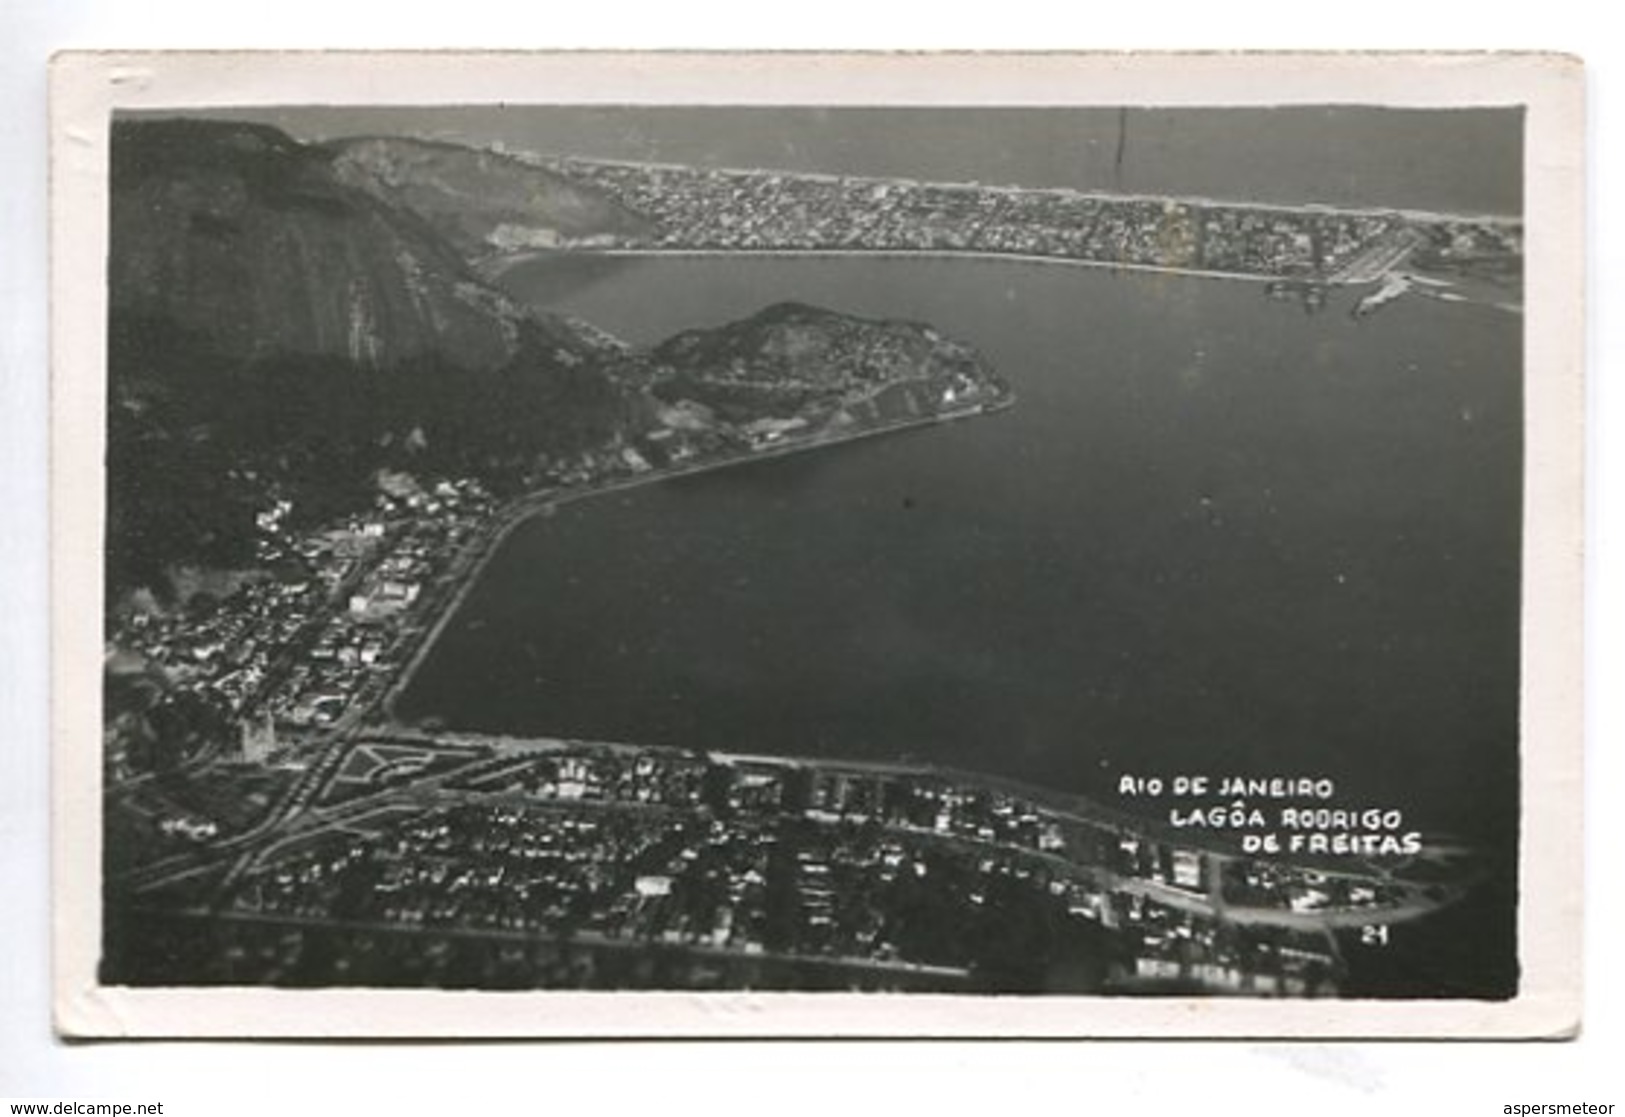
column 778, row 1078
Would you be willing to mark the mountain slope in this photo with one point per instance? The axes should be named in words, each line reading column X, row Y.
column 482, row 202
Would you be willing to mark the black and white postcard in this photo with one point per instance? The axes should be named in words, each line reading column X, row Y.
column 707, row 545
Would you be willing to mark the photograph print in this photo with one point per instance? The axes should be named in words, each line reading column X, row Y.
column 818, row 548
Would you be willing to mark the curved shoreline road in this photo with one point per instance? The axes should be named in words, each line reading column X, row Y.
column 478, row 553
column 1371, row 262
column 375, row 714
column 553, row 162
column 1371, row 265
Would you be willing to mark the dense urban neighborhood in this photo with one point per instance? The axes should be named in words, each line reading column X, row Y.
column 269, row 816
column 751, row 868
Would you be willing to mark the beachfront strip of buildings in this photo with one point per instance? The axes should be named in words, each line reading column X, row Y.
column 699, row 209
column 871, row 879
column 316, row 634
column 799, row 872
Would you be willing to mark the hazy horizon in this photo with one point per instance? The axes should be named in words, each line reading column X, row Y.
column 1466, row 161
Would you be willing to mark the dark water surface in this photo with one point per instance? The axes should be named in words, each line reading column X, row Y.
column 1464, row 160
column 1215, row 534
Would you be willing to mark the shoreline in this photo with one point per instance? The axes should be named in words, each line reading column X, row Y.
column 1418, row 897
column 497, row 266
column 554, row 161
column 1353, row 277
column 525, row 508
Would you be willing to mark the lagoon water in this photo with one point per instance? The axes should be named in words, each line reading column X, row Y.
column 1216, row 534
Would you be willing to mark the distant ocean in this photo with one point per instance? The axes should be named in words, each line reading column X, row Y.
column 1215, row 535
